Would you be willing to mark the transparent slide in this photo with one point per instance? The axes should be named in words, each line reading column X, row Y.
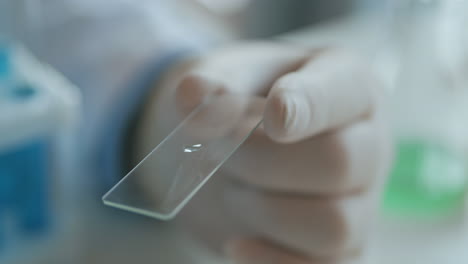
column 170, row 175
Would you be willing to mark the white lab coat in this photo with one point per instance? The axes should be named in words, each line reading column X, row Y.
column 101, row 46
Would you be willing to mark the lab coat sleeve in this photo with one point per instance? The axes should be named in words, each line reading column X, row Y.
column 114, row 54
column 112, row 160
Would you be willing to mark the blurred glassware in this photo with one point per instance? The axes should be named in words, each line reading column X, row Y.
column 266, row 18
column 429, row 108
column 37, row 108
column 224, row 7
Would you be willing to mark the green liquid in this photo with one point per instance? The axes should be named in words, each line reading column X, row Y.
column 426, row 180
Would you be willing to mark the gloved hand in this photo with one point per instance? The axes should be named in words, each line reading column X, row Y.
column 305, row 186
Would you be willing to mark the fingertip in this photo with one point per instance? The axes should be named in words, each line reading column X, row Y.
column 192, row 90
column 296, row 109
column 275, row 117
column 233, row 247
column 246, row 251
column 283, row 116
column 259, row 251
column 189, row 93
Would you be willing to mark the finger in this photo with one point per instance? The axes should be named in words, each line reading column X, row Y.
column 316, row 227
column 248, row 69
column 333, row 89
column 334, row 163
column 218, row 117
column 259, row 251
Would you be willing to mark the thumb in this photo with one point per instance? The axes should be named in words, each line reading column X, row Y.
column 333, row 89
column 248, row 69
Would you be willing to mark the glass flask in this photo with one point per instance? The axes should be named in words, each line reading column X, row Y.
column 429, row 107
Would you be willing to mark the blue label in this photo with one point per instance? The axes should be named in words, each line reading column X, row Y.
column 4, row 61
column 24, row 189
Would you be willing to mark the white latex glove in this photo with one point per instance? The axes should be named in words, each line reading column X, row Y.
column 304, row 188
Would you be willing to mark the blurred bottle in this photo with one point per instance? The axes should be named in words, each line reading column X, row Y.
column 37, row 105
column 430, row 106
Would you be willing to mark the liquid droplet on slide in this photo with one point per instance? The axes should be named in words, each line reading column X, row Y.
column 193, row 148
